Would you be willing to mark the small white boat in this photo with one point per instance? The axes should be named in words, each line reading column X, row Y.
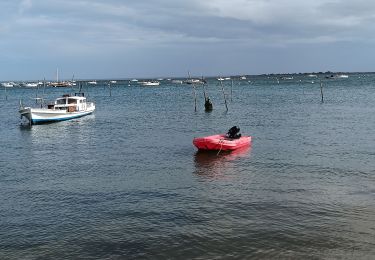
column 177, row 81
column 134, row 80
column 194, row 81
column 150, row 83
column 31, row 85
column 64, row 108
column 7, row 84
column 92, row 82
column 337, row 76
column 113, row 81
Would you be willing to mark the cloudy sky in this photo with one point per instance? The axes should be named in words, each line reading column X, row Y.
column 166, row 38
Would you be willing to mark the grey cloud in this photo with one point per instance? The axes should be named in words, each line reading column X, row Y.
column 128, row 28
column 215, row 19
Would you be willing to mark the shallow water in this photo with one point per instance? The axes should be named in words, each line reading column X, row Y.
column 126, row 182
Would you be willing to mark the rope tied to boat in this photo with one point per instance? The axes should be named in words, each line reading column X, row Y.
column 221, row 141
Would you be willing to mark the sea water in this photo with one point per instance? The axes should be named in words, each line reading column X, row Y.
column 126, row 182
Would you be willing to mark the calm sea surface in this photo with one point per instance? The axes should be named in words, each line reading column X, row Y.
column 127, row 183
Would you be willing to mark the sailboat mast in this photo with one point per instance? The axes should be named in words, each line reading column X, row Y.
column 57, row 75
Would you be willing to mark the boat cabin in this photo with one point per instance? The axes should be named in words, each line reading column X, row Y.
column 70, row 103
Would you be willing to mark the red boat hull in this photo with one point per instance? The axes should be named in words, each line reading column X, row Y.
column 221, row 142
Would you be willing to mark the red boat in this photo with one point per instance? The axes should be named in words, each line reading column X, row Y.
column 221, row 142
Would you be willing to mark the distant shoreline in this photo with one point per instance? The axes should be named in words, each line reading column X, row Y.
column 194, row 76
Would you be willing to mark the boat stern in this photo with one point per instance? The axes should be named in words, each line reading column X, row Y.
column 26, row 112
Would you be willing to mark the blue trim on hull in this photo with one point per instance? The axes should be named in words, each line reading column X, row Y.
column 41, row 121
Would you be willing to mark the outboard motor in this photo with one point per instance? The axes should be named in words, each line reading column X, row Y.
column 234, row 133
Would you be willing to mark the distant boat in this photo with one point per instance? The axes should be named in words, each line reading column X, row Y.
column 93, row 82
column 134, row 80
column 31, row 85
column 7, row 84
column 220, row 79
column 113, row 81
column 150, row 83
column 337, row 76
column 177, row 81
column 61, row 84
column 243, row 77
column 312, row 76
column 64, row 108
column 58, row 83
column 194, row 81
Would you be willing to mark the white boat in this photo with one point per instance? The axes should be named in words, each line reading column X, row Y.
column 92, row 82
column 134, row 80
column 7, row 84
column 194, row 81
column 113, row 81
column 150, row 83
column 64, row 108
column 337, row 76
column 31, row 85
column 177, row 81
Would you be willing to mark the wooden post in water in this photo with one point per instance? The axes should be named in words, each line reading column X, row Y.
column 195, row 98
column 195, row 93
column 44, row 86
column 6, row 94
column 225, row 99
column 321, row 91
column 36, row 94
column 231, row 91
column 79, row 86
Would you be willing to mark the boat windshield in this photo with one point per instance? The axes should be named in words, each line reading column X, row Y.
column 61, row 101
column 72, row 101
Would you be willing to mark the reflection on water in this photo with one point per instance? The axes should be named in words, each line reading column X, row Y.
column 214, row 164
column 59, row 139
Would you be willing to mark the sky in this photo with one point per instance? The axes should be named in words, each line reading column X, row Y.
column 94, row 39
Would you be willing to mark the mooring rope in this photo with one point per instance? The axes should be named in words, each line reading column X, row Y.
column 221, row 141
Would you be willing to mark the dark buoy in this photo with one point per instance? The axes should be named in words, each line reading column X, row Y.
column 208, row 104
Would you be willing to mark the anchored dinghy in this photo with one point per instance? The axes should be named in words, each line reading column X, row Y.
column 223, row 142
